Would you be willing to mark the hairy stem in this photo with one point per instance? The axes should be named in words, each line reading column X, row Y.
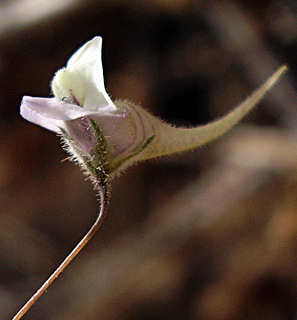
column 102, row 187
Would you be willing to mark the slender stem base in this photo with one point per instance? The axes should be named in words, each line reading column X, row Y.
column 101, row 187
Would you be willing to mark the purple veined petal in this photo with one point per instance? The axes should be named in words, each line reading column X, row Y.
column 122, row 134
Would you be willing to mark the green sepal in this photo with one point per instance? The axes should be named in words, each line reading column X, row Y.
column 102, row 158
column 100, row 165
column 94, row 167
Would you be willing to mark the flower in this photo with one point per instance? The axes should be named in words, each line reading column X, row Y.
column 107, row 137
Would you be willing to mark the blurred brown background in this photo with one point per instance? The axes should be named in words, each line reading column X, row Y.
column 210, row 234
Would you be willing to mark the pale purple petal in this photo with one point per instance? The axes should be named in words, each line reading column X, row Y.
column 30, row 110
column 82, row 133
column 51, row 113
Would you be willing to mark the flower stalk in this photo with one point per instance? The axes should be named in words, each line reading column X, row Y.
column 101, row 186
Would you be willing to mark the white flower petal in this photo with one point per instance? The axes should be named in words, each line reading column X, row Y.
column 82, row 80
